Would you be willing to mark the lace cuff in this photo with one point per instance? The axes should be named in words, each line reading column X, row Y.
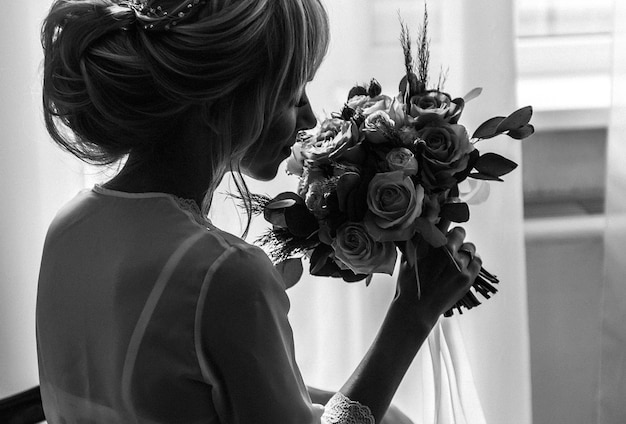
column 341, row 410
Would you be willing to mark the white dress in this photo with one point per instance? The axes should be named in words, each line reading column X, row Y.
column 146, row 313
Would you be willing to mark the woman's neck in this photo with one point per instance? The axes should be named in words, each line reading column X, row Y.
column 182, row 170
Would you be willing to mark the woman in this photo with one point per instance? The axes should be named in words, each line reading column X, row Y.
column 147, row 312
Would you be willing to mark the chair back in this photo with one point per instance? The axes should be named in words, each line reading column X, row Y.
column 22, row 408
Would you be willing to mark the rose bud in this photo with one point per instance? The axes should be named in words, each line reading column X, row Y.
column 374, row 89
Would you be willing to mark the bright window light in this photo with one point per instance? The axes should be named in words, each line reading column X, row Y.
column 549, row 18
column 564, row 46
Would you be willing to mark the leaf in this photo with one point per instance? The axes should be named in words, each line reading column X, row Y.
column 473, row 94
column 488, row 129
column 357, row 90
column 517, row 119
column 455, row 211
column 473, row 157
column 522, row 132
column 495, row 165
column 350, row 277
column 459, row 106
column 284, row 200
column 291, row 270
column 275, row 217
column 479, row 176
column 414, row 85
column 319, row 259
column 280, row 204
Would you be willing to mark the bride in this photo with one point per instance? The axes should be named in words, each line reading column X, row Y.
column 147, row 312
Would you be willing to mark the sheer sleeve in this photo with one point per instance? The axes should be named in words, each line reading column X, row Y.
column 245, row 348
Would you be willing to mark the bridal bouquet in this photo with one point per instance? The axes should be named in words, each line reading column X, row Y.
column 383, row 174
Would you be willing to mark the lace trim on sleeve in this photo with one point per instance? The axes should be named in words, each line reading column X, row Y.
column 341, row 410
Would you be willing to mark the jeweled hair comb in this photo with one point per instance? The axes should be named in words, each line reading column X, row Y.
column 152, row 15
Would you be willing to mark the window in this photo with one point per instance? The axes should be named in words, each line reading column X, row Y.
column 564, row 49
column 562, row 18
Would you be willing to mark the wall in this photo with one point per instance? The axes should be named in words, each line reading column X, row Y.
column 564, row 179
column 35, row 179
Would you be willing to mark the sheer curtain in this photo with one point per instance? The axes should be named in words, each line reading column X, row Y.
column 612, row 385
column 35, row 180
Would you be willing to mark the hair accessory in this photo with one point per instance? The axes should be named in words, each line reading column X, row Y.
column 152, row 16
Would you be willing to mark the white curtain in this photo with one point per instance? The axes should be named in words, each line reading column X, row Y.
column 35, row 180
column 612, row 384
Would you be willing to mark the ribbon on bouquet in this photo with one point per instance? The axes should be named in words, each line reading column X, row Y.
column 455, row 397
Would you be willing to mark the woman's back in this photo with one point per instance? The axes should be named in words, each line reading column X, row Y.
column 125, row 318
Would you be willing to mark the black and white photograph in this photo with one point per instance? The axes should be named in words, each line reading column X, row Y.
column 313, row 212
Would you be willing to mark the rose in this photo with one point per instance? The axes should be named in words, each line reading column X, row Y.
column 309, row 144
column 295, row 162
column 356, row 249
column 349, row 149
column 394, row 203
column 445, row 152
column 368, row 105
column 380, row 117
column 315, row 199
column 408, row 135
column 431, row 101
column 310, row 175
column 402, row 159
column 358, row 101
column 319, row 149
column 397, row 114
column 435, row 102
column 327, row 138
column 329, row 128
column 376, row 125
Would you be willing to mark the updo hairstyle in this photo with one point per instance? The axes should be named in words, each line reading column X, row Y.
column 113, row 86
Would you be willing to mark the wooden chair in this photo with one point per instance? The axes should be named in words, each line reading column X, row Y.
column 22, row 408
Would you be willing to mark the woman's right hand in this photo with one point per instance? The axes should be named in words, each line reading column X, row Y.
column 445, row 275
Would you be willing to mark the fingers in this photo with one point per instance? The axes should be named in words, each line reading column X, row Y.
column 465, row 254
column 462, row 253
column 455, row 239
column 474, row 266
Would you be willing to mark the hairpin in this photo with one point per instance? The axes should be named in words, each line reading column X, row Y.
column 154, row 17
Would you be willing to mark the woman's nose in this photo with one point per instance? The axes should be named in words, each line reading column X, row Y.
column 306, row 118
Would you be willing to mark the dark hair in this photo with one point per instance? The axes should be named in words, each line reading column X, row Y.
column 111, row 86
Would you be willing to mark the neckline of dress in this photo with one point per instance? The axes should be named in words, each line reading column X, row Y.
column 189, row 206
